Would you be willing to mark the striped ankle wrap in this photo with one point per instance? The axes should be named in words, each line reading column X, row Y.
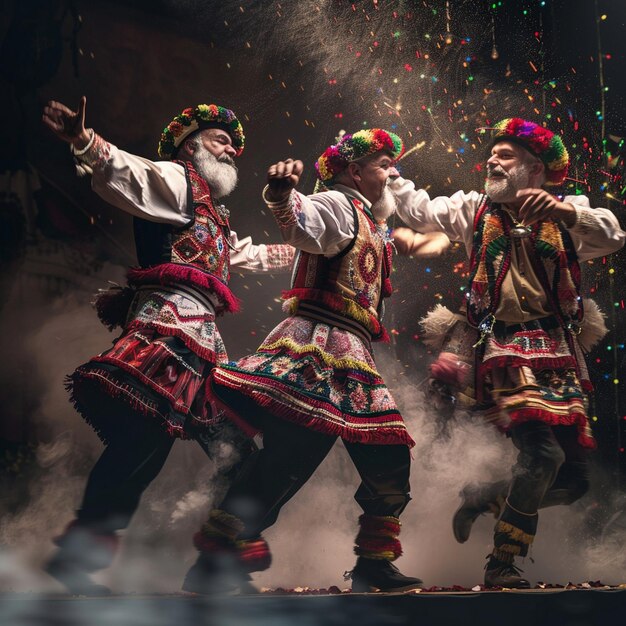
column 378, row 538
column 219, row 534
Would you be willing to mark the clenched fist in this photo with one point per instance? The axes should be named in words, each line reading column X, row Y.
column 282, row 177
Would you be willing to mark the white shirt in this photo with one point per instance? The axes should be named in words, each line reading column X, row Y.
column 324, row 222
column 157, row 191
column 595, row 233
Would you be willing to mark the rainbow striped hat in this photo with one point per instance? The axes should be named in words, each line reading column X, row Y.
column 191, row 120
column 350, row 148
column 539, row 141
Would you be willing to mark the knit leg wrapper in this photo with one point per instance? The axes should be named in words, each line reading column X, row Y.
column 513, row 534
column 219, row 534
column 254, row 554
column 378, row 538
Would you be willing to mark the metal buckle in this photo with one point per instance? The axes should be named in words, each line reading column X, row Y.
column 574, row 328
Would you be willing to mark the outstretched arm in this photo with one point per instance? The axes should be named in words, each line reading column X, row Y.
column 245, row 256
column 452, row 215
column 424, row 246
column 143, row 188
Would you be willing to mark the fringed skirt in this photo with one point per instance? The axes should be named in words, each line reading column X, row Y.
column 528, row 374
column 318, row 376
column 533, row 375
column 157, row 368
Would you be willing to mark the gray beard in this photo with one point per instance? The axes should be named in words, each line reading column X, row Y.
column 385, row 206
column 503, row 190
column 220, row 174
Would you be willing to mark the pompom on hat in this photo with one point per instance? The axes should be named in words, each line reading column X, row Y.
column 191, row 120
column 539, row 141
column 350, row 148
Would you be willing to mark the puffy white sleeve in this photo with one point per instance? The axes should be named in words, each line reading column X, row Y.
column 322, row 223
column 596, row 232
column 452, row 215
column 246, row 256
column 155, row 191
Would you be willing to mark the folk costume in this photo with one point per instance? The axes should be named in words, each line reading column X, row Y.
column 516, row 354
column 150, row 387
column 314, row 379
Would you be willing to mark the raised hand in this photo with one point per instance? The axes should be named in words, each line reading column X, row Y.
column 66, row 124
column 282, row 177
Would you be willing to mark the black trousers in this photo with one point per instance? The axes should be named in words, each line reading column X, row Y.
column 131, row 461
column 290, row 456
column 551, row 467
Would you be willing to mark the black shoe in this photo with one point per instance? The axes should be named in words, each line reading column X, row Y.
column 380, row 575
column 476, row 501
column 73, row 577
column 501, row 574
column 82, row 551
column 218, row 573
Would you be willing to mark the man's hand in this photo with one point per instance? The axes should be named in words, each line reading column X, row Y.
column 66, row 124
column 420, row 245
column 282, row 177
column 539, row 205
column 403, row 240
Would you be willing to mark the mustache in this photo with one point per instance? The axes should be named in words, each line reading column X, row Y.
column 496, row 169
column 227, row 159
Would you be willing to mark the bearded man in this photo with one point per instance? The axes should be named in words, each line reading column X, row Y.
column 149, row 388
column 314, row 379
column 525, row 313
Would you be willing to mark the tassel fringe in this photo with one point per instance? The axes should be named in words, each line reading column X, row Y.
column 593, row 327
column 514, row 533
column 436, row 324
column 173, row 273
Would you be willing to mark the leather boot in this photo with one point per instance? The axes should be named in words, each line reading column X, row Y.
column 218, row 573
column 82, row 551
column 502, row 574
column 376, row 545
column 380, row 575
column 477, row 500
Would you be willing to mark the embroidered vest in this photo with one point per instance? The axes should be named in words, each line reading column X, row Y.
column 555, row 263
column 196, row 254
column 352, row 283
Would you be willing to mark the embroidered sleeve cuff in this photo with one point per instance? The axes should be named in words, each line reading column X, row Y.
column 280, row 256
column 94, row 155
column 82, row 151
column 285, row 212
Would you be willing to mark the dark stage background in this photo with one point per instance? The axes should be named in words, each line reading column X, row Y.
column 296, row 73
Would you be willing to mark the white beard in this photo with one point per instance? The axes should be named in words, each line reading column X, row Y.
column 385, row 206
column 504, row 189
column 220, row 173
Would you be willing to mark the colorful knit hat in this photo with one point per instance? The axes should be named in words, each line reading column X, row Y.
column 191, row 120
column 350, row 148
column 539, row 141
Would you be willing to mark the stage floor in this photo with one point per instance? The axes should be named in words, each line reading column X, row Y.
column 604, row 606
